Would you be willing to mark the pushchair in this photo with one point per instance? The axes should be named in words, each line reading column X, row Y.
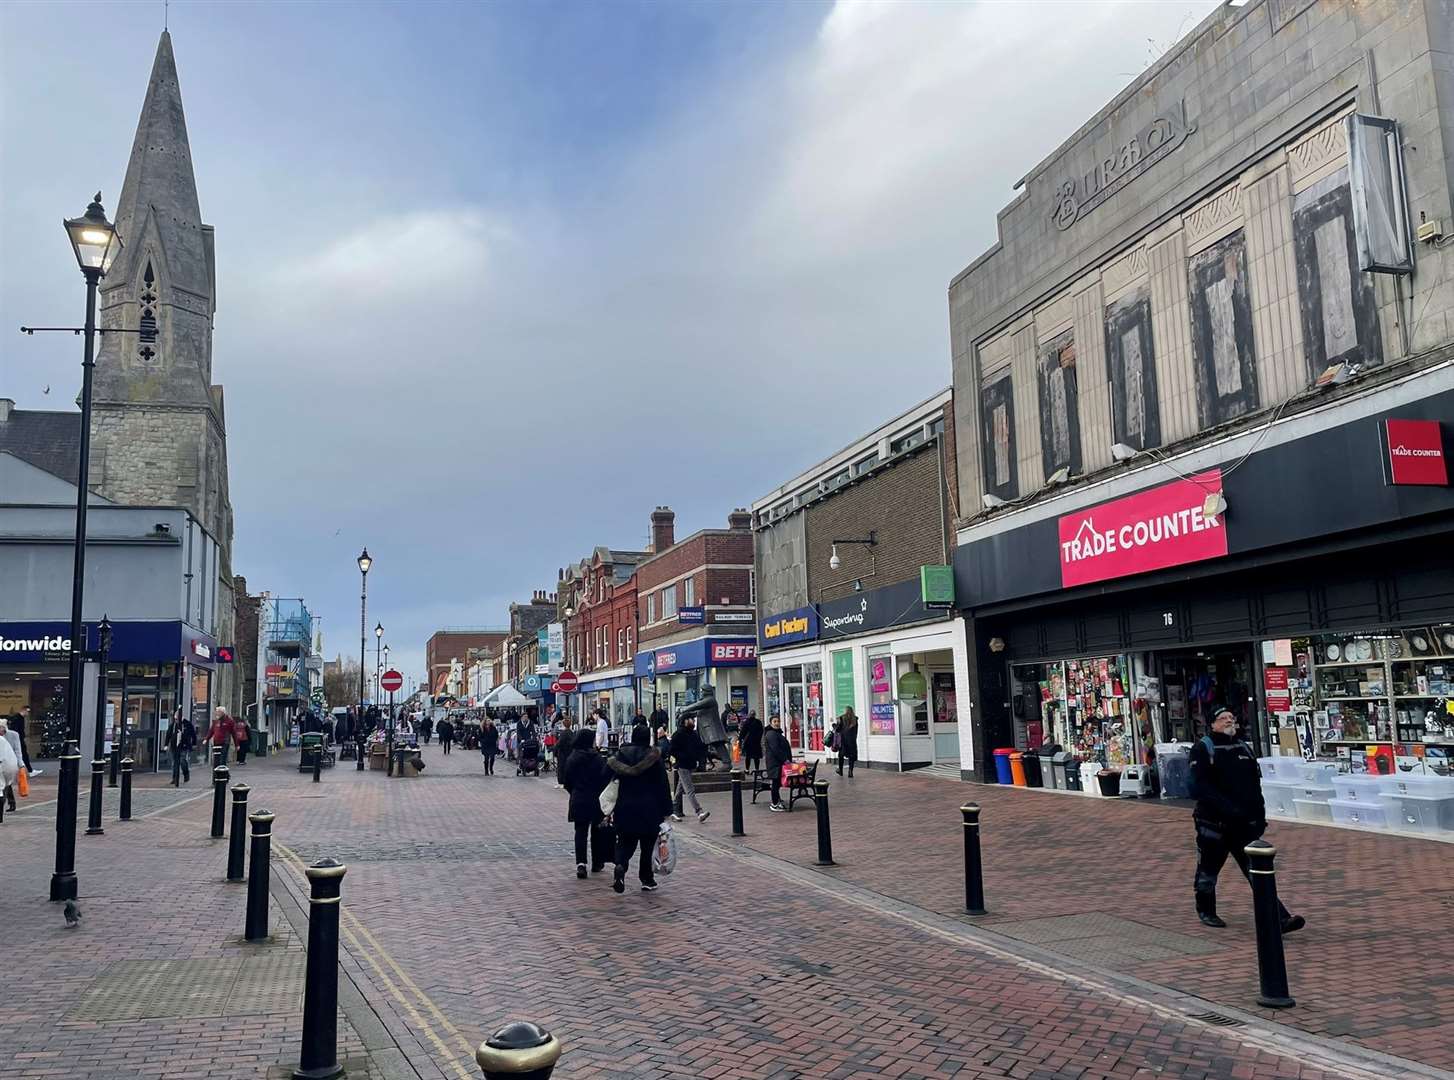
column 530, row 757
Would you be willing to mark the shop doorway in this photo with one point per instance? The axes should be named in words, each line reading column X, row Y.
column 944, row 718
column 1198, row 681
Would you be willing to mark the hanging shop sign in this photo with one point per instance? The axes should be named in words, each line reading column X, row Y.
column 1151, row 530
column 936, row 586
column 1414, row 452
column 555, row 647
column 788, row 628
column 138, row 641
column 691, row 616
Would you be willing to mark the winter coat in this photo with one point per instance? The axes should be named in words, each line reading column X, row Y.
column 240, row 732
column 586, row 776
column 489, row 740
column 751, row 735
column 643, row 799
column 181, row 736
column 688, row 750
column 565, row 742
column 1227, row 786
column 777, row 752
column 221, row 731
column 9, row 759
column 445, row 730
column 847, row 737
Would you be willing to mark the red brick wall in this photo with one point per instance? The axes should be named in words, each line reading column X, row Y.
column 691, row 557
column 446, row 645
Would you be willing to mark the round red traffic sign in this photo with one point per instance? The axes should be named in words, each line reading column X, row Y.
column 566, row 682
column 391, row 681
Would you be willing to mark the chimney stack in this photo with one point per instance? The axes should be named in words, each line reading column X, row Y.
column 739, row 520
column 663, row 529
column 7, row 406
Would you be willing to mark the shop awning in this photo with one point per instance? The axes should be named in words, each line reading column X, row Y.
column 506, row 696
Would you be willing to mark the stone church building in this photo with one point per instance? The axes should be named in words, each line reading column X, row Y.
column 159, row 434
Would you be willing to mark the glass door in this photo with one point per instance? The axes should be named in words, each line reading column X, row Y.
column 794, row 707
column 945, row 718
column 814, row 716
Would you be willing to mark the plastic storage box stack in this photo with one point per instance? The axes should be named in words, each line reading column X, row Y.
column 1358, row 801
column 1172, row 766
column 1313, row 790
column 1419, row 803
column 1282, row 780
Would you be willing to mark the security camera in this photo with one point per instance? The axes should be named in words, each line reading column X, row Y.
column 834, row 562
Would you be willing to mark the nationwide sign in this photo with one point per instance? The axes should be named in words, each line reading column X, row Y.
column 51, row 643
column 1151, row 530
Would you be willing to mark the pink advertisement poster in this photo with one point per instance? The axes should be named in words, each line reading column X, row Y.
column 878, row 674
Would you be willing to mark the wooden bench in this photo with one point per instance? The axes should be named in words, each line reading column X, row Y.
column 799, row 786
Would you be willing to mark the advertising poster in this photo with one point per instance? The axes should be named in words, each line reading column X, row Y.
column 881, row 719
column 878, row 674
column 842, row 681
column 738, row 698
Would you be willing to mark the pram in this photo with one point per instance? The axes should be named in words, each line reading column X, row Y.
column 530, row 757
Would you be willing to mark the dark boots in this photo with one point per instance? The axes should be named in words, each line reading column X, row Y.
column 1207, row 910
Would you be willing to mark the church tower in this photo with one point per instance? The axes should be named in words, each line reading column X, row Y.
column 158, row 433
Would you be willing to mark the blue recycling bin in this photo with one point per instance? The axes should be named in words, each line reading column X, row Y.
column 1002, row 765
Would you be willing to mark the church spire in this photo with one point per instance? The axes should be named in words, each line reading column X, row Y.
column 160, row 184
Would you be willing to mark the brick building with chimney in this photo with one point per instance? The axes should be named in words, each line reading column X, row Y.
column 696, row 618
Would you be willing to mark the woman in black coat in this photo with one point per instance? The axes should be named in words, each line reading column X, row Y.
column 585, row 775
column 643, row 801
column 751, row 735
column 489, row 745
column 779, row 753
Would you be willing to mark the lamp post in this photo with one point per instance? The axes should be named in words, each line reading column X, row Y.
column 364, row 562
column 98, row 764
column 96, row 245
column 378, row 643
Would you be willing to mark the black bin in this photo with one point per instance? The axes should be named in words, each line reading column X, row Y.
column 1072, row 776
column 1034, row 777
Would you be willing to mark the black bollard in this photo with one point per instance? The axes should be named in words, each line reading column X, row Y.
column 220, row 776
column 98, row 781
column 235, row 841
column 973, row 870
column 825, row 835
column 257, row 876
column 519, row 1051
column 126, row 766
column 737, row 829
column 113, row 779
column 1267, row 913
column 317, row 764
column 359, row 753
column 319, row 1057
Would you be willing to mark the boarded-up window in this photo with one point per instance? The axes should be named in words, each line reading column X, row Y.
column 997, row 424
column 1131, row 367
column 1339, row 311
column 1059, row 406
column 1221, row 324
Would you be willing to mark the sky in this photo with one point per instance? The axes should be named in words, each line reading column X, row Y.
column 495, row 280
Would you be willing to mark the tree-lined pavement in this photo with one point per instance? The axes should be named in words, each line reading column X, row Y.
column 461, row 910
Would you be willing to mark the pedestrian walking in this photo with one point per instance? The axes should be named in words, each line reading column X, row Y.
column 586, row 775
column 603, row 730
column 776, row 754
column 1227, row 785
column 426, row 728
column 445, row 730
column 643, row 800
column 10, row 763
column 689, row 753
column 659, row 718
column 181, row 739
column 566, row 740
column 750, row 736
column 220, row 734
column 489, row 745
column 17, row 724
column 846, row 731
column 242, row 736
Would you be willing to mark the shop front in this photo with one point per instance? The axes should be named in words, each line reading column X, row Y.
column 154, row 668
column 883, row 653
column 612, row 691
column 674, row 676
column 1308, row 586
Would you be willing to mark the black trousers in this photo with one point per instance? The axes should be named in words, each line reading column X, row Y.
column 1214, row 844
column 490, row 764
column 627, row 845
column 589, row 848
column 180, row 767
column 445, row 743
column 751, row 763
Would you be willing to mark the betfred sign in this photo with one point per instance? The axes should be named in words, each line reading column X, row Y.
column 1151, row 530
column 1414, row 452
column 730, row 653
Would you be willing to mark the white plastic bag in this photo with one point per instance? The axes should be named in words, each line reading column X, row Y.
column 608, row 797
column 664, row 852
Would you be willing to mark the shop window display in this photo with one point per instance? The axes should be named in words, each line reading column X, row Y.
column 1084, row 705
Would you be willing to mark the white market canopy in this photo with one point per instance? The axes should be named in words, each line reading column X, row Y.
column 506, row 696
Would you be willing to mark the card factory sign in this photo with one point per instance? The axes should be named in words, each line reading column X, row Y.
column 1150, row 530
column 1077, row 196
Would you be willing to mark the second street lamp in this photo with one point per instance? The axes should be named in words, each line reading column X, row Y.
column 364, row 562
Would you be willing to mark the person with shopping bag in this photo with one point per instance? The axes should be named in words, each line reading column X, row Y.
column 777, row 753
column 643, row 801
column 585, row 774
column 10, row 764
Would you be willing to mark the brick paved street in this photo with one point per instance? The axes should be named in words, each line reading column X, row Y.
column 461, row 910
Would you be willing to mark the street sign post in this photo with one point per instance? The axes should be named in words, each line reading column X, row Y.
column 392, row 681
column 566, row 682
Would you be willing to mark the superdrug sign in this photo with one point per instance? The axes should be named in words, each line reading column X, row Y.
column 1151, row 530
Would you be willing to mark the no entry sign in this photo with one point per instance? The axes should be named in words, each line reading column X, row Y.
column 566, row 682
column 392, row 681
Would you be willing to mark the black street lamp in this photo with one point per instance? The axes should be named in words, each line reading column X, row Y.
column 98, row 763
column 96, row 244
column 364, row 562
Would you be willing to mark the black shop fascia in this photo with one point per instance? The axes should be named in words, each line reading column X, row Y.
column 1319, row 604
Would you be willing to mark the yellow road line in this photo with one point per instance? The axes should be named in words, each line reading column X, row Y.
column 451, row 1059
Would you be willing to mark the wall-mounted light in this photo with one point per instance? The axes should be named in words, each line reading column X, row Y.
column 1214, row 505
column 991, row 501
column 997, row 644
column 1121, row 452
column 1059, row 476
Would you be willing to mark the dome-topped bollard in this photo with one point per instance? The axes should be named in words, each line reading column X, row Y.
column 519, row 1051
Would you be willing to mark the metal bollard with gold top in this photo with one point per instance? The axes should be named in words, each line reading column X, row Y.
column 519, row 1051
column 319, row 1057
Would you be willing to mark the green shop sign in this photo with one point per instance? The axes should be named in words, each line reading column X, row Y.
column 843, row 680
column 936, row 586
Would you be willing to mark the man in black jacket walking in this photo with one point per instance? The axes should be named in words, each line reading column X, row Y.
column 643, row 799
column 564, row 744
column 1230, row 813
column 690, row 753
